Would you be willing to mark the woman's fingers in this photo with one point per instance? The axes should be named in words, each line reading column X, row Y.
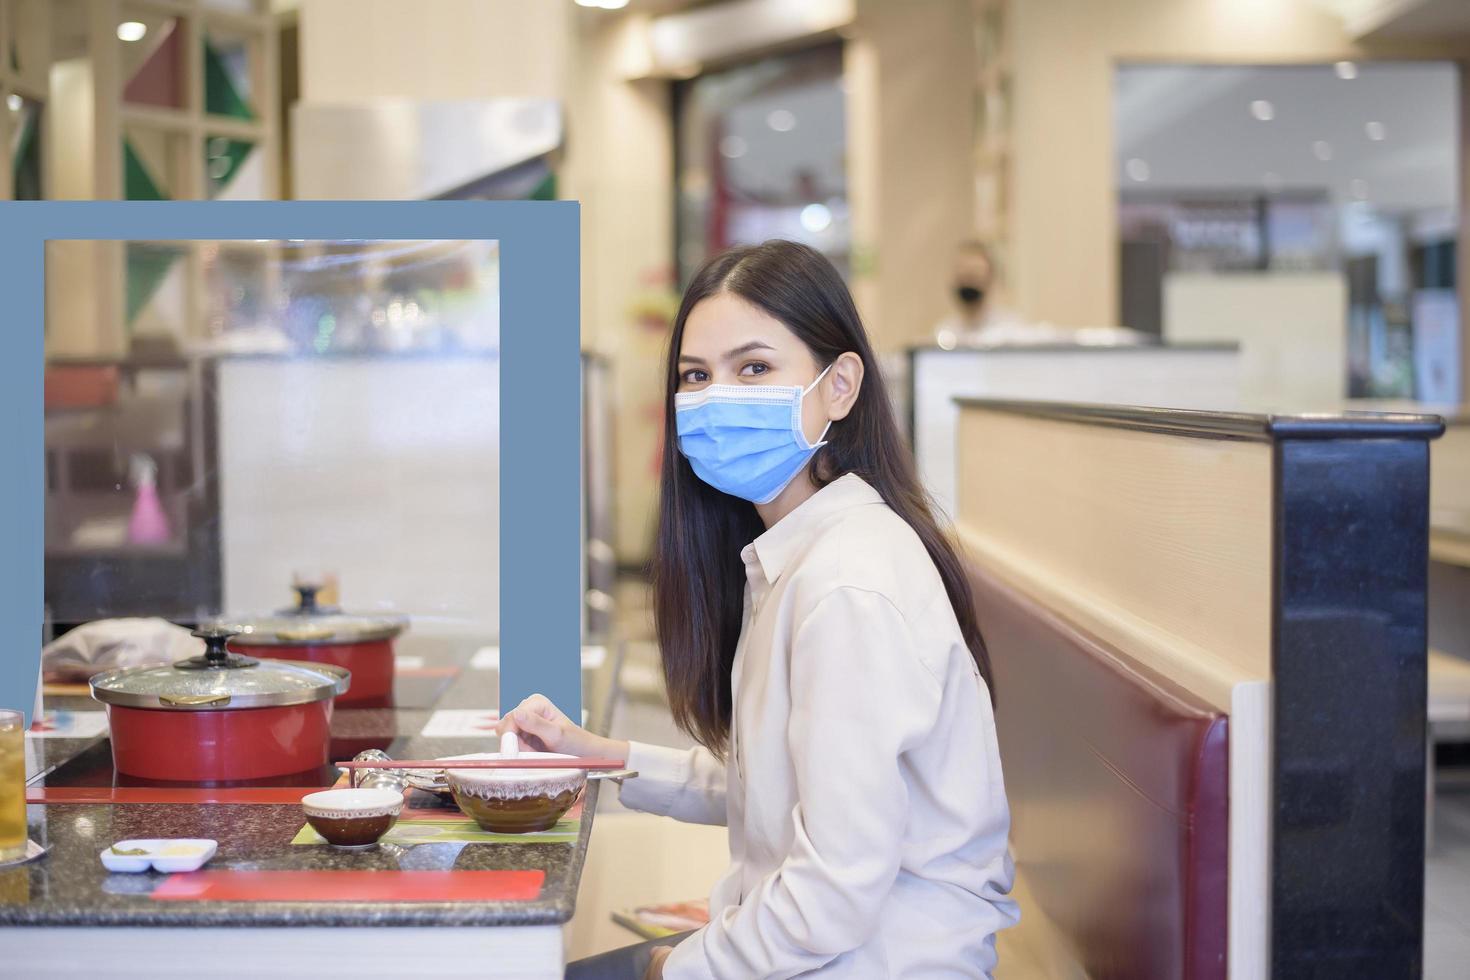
column 529, row 740
column 536, row 703
column 544, row 728
column 523, row 721
column 547, row 730
column 542, row 705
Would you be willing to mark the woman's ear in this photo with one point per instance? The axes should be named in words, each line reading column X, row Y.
column 843, row 384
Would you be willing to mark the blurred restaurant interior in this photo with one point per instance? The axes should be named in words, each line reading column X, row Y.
column 1208, row 216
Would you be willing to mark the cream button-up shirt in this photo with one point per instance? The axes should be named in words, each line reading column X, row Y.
column 862, row 791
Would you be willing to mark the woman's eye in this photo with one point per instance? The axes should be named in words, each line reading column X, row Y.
column 753, row 369
column 694, row 377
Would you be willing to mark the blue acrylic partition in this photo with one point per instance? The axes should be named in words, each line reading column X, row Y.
column 540, row 544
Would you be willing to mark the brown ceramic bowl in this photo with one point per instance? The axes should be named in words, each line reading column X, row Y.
column 516, row 801
column 353, row 819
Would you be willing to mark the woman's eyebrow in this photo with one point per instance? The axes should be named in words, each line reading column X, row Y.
column 730, row 355
column 754, row 345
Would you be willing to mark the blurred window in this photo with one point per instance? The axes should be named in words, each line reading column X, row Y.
column 761, row 153
column 252, row 412
column 1340, row 178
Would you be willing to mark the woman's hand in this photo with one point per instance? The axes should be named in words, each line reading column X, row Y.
column 655, row 969
column 541, row 726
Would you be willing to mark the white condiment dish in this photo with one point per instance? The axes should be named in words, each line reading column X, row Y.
column 163, row 854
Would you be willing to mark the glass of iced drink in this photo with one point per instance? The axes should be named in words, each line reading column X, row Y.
column 12, row 786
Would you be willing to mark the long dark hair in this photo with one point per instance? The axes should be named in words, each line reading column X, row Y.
column 698, row 577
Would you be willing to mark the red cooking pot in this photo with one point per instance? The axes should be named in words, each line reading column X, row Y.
column 326, row 635
column 220, row 716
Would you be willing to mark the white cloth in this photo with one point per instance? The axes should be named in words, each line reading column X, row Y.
column 109, row 643
column 863, row 793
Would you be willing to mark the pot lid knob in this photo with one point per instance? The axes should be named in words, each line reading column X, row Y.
column 216, row 649
column 306, row 598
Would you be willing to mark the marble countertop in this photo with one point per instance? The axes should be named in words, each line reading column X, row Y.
column 69, row 886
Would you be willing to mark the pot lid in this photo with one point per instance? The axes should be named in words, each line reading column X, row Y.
column 219, row 679
column 308, row 624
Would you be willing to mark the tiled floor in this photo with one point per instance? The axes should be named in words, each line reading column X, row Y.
column 1447, row 883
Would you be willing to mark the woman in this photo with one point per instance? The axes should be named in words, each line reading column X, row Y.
column 819, row 642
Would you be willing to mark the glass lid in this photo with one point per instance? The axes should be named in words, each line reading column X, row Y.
column 309, row 624
column 219, row 679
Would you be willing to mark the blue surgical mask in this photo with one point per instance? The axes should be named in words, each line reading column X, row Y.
column 746, row 440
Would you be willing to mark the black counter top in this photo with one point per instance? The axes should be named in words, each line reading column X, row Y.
column 1066, row 347
column 70, row 887
column 1255, row 426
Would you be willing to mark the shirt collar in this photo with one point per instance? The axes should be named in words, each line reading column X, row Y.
column 774, row 549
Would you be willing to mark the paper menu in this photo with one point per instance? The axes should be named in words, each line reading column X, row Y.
column 466, row 723
column 461, row 723
column 488, row 658
column 68, row 724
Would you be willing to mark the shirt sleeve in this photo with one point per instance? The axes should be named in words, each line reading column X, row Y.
column 860, row 698
column 686, row 784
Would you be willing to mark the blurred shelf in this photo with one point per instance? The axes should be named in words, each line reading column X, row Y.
column 174, row 550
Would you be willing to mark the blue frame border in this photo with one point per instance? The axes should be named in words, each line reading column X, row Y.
column 540, row 439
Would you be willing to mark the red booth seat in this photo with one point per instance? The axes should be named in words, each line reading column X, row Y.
column 1118, row 785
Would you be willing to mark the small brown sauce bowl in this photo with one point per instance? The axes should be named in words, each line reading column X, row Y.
column 352, row 819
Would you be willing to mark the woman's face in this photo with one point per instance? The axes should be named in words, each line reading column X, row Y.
column 729, row 341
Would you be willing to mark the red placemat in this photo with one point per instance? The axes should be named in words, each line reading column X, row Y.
column 351, row 886
column 167, row 794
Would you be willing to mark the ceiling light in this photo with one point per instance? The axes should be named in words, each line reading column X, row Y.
column 1263, row 110
column 15, row 102
column 1346, row 70
column 613, row 4
column 1322, row 150
column 1136, row 169
column 1376, row 131
column 816, row 217
column 781, row 120
column 732, row 147
column 131, row 30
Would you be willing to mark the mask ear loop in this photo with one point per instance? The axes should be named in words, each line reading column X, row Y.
column 818, row 380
